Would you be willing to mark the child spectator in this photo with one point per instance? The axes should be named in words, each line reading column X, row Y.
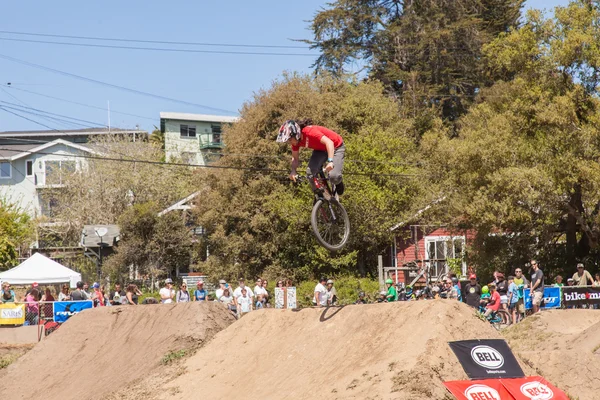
column 513, row 298
column 200, row 293
column 382, row 297
column 331, row 293
column 361, row 298
column 494, row 303
column 244, row 303
column 485, row 296
column 183, row 296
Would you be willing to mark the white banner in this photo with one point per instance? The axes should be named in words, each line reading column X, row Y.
column 291, row 297
column 279, row 295
column 11, row 313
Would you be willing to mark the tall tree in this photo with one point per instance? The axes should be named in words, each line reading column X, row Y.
column 16, row 232
column 427, row 52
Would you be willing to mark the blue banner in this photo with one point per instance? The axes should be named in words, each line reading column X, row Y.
column 63, row 310
column 552, row 297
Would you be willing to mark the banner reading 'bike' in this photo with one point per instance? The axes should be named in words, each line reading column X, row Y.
column 579, row 295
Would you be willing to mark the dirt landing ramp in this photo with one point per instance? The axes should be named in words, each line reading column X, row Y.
column 105, row 350
column 377, row 351
column 563, row 346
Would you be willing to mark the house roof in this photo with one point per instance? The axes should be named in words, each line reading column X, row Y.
column 198, row 117
column 417, row 214
column 90, row 239
column 14, row 152
column 180, row 205
column 72, row 132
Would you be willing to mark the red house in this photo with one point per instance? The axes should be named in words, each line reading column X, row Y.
column 421, row 251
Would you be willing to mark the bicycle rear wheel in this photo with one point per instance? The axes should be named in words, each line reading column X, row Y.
column 330, row 224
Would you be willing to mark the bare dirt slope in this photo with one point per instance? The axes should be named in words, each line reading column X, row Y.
column 563, row 346
column 378, row 351
column 106, row 350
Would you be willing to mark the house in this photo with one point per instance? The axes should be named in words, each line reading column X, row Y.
column 193, row 138
column 426, row 250
column 30, row 172
column 80, row 136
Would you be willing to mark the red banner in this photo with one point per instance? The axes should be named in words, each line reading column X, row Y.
column 488, row 389
column 533, row 388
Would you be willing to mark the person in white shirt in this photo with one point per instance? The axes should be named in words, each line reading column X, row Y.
column 238, row 291
column 260, row 293
column 167, row 293
column 244, row 302
column 222, row 286
column 320, row 299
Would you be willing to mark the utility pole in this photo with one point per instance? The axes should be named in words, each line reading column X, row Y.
column 108, row 108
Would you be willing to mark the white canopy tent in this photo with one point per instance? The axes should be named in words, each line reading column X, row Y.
column 39, row 268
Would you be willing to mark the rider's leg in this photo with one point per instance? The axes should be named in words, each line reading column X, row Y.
column 315, row 163
column 335, row 175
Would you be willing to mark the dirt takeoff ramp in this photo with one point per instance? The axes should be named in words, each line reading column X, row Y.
column 105, row 350
column 564, row 347
column 377, row 351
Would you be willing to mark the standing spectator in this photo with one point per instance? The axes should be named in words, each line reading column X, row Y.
column 132, row 294
column 473, row 292
column 219, row 292
column 46, row 307
column 558, row 281
column 167, row 293
column 86, row 291
column 320, row 298
column 537, row 286
column 97, row 296
column 64, row 294
column 32, row 309
column 456, row 286
column 521, row 282
column 361, row 298
column 331, row 293
column 200, row 293
column 183, row 296
column 238, row 291
column 513, row 298
column 7, row 295
column 392, row 293
column 227, row 300
column 582, row 277
column 502, row 289
column 119, row 296
column 244, row 302
column 78, row 294
column 279, row 284
column 266, row 292
column 259, row 293
column 452, row 290
column 494, row 302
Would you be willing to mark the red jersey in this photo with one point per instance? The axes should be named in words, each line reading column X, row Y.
column 311, row 138
column 494, row 303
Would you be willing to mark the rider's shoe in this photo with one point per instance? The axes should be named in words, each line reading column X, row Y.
column 339, row 188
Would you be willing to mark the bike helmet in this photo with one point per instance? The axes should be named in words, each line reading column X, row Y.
column 454, row 281
column 288, row 130
column 391, row 282
column 409, row 290
column 361, row 294
column 485, row 290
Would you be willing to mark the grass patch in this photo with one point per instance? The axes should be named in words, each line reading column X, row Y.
column 7, row 360
column 173, row 356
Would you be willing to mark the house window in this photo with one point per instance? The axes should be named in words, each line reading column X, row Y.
column 216, row 133
column 57, row 171
column 187, row 131
column 440, row 249
column 48, row 204
column 5, row 170
column 29, row 168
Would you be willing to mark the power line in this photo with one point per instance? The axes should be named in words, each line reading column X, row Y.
column 123, row 88
column 28, row 119
column 109, row 46
column 161, row 163
column 16, row 106
column 77, row 103
column 155, row 41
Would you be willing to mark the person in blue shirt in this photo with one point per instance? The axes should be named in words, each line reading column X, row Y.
column 513, row 298
column 200, row 294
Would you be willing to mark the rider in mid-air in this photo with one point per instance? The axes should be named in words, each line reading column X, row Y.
column 326, row 145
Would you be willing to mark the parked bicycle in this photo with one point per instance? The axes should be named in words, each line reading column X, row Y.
column 329, row 219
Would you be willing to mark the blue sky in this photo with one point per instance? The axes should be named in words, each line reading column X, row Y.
column 222, row 81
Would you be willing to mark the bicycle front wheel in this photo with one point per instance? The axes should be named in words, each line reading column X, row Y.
column 330, row 224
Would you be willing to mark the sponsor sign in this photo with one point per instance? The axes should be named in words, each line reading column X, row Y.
column 533, row 388
column 291, row 297
column 63, row 310
column 12, row 314
column 489, row 389
column 551, row 298
column 279, row 297
column 285, row 297
column 578, row 295
column 485, row 359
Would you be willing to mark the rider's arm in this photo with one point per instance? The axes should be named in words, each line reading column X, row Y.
column 295, row 161
column 329, row 145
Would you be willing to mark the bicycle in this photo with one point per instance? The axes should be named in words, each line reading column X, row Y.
column 329, row 219
column 498, row 319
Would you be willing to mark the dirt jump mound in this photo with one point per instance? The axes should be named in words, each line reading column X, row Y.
column 564, row 347
column 378, row 351
column 104, row 351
